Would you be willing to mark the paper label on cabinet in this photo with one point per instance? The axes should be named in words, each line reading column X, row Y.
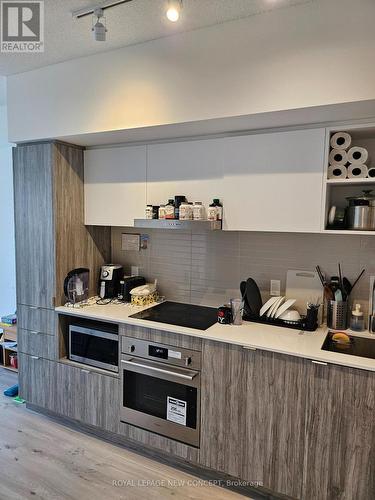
column 176, row 410
column 174, row 354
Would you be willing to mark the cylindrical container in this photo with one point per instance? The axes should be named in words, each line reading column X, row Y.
column 219, row 208
column 357, row 322
column 337, row 172
column 236, row 305
column 162, row 212
column 341, row 140
column 371, row 172
column 224, row 314
column 198, row 211
column 149, row 212
column 361, row 212
column 337, row 315
column 357, row 171
column 186, row 211
column 177, row 203
column 212, row 212
column 169, row 210
column 155, row 211
column 357, row 155
column 338, row 157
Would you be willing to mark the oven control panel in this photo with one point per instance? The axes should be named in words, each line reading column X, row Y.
column 177, row 356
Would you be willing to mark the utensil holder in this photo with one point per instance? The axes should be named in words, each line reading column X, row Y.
column 337, row 315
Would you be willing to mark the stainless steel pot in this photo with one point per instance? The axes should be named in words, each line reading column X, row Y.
column 361, row 212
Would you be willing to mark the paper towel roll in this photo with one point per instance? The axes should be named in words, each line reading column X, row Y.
column 357, row 171
column 357, row 155
column 371, row 172
column 341, row 140
column 337, row 172
column 338, row 157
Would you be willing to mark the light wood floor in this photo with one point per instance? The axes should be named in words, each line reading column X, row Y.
column 42, row 459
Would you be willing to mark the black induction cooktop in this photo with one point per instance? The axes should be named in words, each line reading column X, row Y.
column 358, row 346
column 176, row 313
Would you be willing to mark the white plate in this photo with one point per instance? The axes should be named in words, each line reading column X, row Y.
column 273, row 309
column 284, row 307
column 267, row 305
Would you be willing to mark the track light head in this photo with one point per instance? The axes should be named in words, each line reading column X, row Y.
column 99, row 29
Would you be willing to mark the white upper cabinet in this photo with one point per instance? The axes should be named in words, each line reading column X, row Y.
column 266, row 182
column 190, row 168
column 274, row 182
column 115, row 185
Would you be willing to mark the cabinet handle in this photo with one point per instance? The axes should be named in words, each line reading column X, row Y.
column 35, row 357
column 35, row 332
column 85, row 371
column 249, row 348
column 319, row 362
column 34, row 307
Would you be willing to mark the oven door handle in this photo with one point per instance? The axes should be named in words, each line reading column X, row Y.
column 160, row 370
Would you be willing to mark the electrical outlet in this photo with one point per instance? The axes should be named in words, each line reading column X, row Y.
column 275, row 288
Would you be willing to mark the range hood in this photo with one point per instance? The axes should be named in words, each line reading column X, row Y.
column 186, row 225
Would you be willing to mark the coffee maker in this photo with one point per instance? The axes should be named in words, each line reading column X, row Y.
column 109, row 281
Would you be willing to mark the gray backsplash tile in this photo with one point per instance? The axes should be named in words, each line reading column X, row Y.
column 206, row 268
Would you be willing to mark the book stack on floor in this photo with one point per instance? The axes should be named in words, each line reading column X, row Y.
column 8, row 342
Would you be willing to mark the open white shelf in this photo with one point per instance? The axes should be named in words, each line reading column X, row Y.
column 337, row 190
column 351, row 182
column 349, row 231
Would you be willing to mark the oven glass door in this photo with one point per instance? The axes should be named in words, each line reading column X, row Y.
column 94, row 347
column 160, row 398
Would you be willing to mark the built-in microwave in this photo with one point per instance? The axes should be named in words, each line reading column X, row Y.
column 94, row 347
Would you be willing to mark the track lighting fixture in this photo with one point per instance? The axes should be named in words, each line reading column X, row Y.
column 174, row 10
column 99, row 28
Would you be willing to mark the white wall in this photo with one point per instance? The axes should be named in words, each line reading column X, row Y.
column 317, row 53
column 7, row 249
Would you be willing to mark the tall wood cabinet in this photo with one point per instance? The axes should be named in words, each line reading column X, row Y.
column 301, row 429
column 51, row 240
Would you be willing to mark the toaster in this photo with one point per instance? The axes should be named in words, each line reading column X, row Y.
column 127, row 284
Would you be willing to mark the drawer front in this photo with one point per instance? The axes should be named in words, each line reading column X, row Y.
column 37, row 381
column 36, row 319
column 167, row 338
column 88, row 396
column 37, row 344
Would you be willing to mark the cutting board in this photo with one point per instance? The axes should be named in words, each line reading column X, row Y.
column 304, row 286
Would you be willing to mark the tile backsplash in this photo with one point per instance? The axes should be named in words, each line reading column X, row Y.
column 206, row 268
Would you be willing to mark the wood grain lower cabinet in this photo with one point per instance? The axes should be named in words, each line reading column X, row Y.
column 340, row 434
column 302, row 429
column 37, row 344
column 253, row 416
column 36, row 319
column 37, row 381
column 87, row 396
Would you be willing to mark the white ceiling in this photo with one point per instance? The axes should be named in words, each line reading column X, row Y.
column 135, row 22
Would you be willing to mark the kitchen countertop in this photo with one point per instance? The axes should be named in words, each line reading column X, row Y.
column 249, row 335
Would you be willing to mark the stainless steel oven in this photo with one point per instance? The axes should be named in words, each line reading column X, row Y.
column 93, row 347
column 160, row 389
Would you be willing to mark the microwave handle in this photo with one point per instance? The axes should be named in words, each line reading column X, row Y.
column 159, row 370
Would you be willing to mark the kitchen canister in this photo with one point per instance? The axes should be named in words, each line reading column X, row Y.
column 338, row 157
column 337, row 315
column 341, row 140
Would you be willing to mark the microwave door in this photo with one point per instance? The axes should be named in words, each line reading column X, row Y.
column 93, row 347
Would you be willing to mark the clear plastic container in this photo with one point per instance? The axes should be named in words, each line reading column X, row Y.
column 357, row 322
